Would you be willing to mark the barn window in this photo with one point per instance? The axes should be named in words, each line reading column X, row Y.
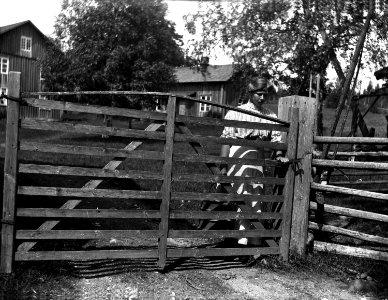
column 26, row 46
column 203, row 107
column 4, row 68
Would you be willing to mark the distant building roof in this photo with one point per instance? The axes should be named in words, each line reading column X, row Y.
column 213, row 73
column 4, row 29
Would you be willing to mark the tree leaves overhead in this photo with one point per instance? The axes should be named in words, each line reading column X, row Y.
column 121, row 44
column 291, row 39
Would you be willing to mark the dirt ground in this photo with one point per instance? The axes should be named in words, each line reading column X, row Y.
column 321, row 276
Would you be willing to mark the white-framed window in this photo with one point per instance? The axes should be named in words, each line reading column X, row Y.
column 204, row 107
column 4, row 69
column 26, row 46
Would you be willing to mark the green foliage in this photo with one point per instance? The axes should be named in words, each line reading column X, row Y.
column 118, row 45
column 291, row 39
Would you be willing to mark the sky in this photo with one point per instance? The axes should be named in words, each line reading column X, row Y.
column 43, row 13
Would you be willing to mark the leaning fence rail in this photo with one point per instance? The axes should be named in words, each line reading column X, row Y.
column 359, row 169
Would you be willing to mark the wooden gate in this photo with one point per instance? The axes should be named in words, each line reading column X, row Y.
column 70, row 193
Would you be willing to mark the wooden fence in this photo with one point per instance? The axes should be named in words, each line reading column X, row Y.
column 364, row 175
column 47, row 222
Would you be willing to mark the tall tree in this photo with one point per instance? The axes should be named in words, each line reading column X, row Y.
column 292, row 38
column 121, row 44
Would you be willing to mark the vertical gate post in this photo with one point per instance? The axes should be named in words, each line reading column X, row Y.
column 166, row 187
column 292, row 140
column 10, row 174
column 307, row 129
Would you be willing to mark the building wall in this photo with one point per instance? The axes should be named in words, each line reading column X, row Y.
column 221, row 92
column 10, row 45
column 10, row 41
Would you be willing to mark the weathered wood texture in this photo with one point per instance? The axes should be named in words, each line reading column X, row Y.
column 91, row 191
column 92, row 184
column 307, row 130
column 289, row 185
column 351, row 233
column 348, row 191
column 10, row 176
column 352, row 251
column 351, row 212
column 167, row 180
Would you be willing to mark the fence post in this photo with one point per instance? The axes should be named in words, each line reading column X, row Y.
column 166, row 187
column 292, row 140
column 307, row 130
column 10, row 175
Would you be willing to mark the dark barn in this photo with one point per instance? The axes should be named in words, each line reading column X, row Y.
column 22, row 45
column 207, row 82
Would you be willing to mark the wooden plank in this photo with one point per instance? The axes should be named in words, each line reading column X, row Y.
column 352, row 251
column 361, row 153
column 223, row 233
column 227, row 179
column 91, row 129
column 92, row 151
column 225, row 197
column 88, row 172
column 87, row 193
column 196, row 158
column 211, row 252
column 348, row 191
column 349, row 140
column 140, row 154
column 231, row 123
column 166, row 187
column 307, row 129
column 229, row 141
column 136, row 174
column 123, row 234
column 87, row 213
column 114, row 164
column 83, row 234
column 85, row 255
column 143, row 214
column 10, row 175
column 354, row 234
column 289, row 186
column 130, row 254
column 95, row 109
column 351, row 212
column 350, row 164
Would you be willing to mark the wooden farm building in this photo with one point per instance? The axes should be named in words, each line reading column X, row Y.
column 207, row 82
column 22, row 45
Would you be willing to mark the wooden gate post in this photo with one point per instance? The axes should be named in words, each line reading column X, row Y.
column 292, row 140
column 10, row 174
column 166, row 187
column 307, row 130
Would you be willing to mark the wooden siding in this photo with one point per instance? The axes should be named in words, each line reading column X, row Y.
column 29, row 67
column 221, row 92
column 10, row 41
column 30, row 72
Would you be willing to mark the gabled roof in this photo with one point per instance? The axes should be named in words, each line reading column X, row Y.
column 4, row 29
column 213, row 73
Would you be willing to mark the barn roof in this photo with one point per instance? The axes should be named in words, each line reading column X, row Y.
column 4, row 29
column 213, row 73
